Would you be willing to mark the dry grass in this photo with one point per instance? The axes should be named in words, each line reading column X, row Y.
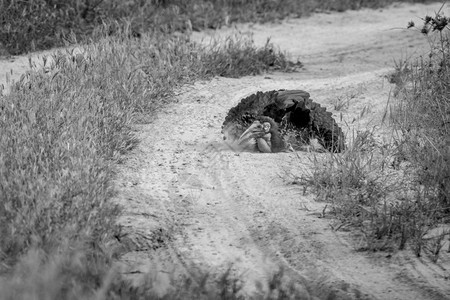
column 397, row 195
column 376, row 199
column 422, row 114
column 42, row 24
column 64, row 128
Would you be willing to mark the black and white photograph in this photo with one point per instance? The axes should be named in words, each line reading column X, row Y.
column 224, row 149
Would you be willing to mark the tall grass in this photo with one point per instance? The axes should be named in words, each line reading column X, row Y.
column 397, row 194
column 380, row 202
column 42, row 24
column 423, row 113
column 64, row 127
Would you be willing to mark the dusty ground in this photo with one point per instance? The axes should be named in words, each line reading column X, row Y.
column 194, row 204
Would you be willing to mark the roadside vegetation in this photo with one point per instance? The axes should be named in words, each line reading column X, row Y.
column 395, row 194
column 65, row 127
column 43, row 24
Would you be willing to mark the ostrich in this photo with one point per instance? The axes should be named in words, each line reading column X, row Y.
column 289, row 117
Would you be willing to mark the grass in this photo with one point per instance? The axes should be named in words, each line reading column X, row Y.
column 396, row 195
column 422, row 116
column 42, row 24
column 382, row 204
column 423, row 113
column 244, row 59
column 59, row 278
column 64, row 128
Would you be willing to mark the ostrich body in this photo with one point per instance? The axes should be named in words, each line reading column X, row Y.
column 293, row 117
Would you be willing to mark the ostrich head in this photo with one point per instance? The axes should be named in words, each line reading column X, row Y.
column 265, row 131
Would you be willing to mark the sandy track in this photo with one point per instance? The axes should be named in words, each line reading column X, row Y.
column 194, row 204
column 234, row 207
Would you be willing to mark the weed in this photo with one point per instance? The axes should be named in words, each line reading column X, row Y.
column 400, row 75
column 341, row 103
column 422, row 115
column 383, row 207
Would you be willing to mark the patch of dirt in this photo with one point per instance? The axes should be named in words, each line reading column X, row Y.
column 192, row 203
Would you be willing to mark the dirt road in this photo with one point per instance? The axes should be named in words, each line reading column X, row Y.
column 230, row 207
column 235, row 207
column 194, row 204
